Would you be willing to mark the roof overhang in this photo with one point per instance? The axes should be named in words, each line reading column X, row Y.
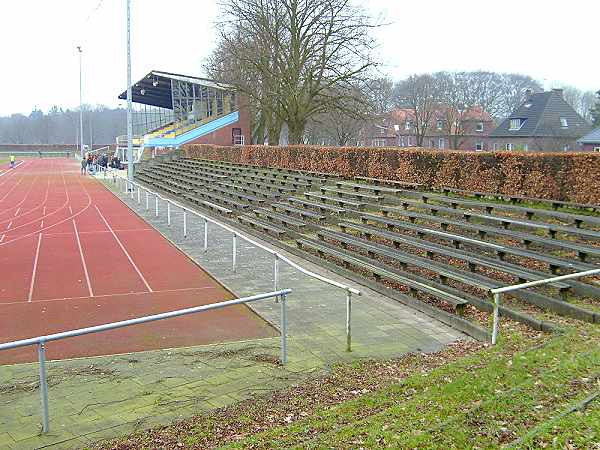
column 155, row 88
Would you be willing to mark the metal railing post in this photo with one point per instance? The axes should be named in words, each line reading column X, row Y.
column 276, row 272
column 156, row 204
column 138, row 195
column 184, row 223
column 496, row 317
column 283, row 306
column 348, row 321
column 205, row 235
column 168, row 213
column 147, row 200
column 131, row 190
column 43, row 386
column 234, row 252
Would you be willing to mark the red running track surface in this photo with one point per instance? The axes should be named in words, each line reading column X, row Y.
column 73, row 255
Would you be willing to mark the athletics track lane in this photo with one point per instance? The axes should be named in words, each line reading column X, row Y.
column 74, row 256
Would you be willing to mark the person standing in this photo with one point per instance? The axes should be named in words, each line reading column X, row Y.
column 84, row 163
column 12, row 161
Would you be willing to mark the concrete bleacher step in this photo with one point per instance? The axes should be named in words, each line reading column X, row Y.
column 280, row 218
column 500, row 250
column 414, row 282
column 398, row 184
column 528, row 212
column 305, row 214
column 473, row 260
column 265, row 226
column 506, row 222
column 377, row 189
column 212, row 206
column 448, row 272
column 323, row 207
column 247, row 189
column 367, row 198
column 336, row 200
column 515, row 199
column 582, row 251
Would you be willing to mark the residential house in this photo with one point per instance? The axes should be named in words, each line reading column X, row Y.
column 591, row 141
column 469, row 131
column 543, row 122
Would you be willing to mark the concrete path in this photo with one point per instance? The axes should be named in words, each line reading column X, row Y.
column 95, row 398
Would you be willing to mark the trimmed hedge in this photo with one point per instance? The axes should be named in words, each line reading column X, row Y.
column 570, row 176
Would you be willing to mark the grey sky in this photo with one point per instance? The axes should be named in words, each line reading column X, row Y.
column 553, row 41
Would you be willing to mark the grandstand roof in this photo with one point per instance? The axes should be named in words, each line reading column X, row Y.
column 155, row 88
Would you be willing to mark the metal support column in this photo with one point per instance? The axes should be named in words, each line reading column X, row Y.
column 43, row 387
column 496, row 317
column 283, row 307
column 348, row 321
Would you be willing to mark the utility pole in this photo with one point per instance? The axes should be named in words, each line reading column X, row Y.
column 129, row 107
column 80, row 106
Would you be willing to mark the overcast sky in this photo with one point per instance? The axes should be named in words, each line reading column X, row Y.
column 553, row 41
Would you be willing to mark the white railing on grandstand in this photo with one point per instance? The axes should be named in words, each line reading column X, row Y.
column 127, row 186
column 41, row 341
column 497, row 293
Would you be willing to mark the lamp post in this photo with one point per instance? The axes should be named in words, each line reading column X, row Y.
column 129, row 106
column 80, row 105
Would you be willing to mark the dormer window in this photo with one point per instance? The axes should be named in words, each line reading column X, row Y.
column 408, row 125
column 516, row 124
column 479, row 127
column 440, row 124
column 564, row 123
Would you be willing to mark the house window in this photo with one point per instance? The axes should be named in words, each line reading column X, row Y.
column 440, row 124
column 479, row 127
column 402, row 141
column 441, row 143
column 408, row 141
column 597, row 149
column 525, row 147
column 515, row 124
column 564, row 123
column 379, row 142
column 479, row 146
column 566, row 147
column 495, row 147
column 509, row 147
column 408, row 125
column 431, row 143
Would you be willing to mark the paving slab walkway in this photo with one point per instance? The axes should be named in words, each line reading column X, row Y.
column 101, row 397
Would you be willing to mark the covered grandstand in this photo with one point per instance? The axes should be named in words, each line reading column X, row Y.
column 172, row 109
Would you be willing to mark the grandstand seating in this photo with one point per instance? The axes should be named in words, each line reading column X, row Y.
column 447, row 248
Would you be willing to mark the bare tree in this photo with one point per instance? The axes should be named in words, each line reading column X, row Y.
column 296, row 59
column 419, row 93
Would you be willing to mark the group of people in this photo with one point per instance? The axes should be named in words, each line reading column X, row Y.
column 91, row 162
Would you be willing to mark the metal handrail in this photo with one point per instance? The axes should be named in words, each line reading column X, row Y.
column 235, row 233
column 497, row 292
column 40, row 341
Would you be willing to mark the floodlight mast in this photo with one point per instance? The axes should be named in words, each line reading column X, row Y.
column 80, row 106
column 129, row 106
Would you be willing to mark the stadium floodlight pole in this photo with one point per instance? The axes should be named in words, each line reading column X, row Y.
column 129, row 106
column 80, row 105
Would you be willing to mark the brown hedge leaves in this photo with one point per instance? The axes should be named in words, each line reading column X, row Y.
column 563, row 176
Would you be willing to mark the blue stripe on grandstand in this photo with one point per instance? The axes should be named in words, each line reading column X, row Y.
column 196, row 132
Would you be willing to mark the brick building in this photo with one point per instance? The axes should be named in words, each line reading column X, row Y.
column 591, row 141
column 469, row 131
column 543, row 122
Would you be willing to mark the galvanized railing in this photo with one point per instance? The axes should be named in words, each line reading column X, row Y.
column 128, row 188
column 41, row 341
column 497, row 292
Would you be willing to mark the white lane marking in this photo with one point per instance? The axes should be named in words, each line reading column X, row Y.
column 17, row 211
column 85, row 270
column 124, row 250
column 35, row 262
column 124, row 294
column 10, row 171
column 4, row 234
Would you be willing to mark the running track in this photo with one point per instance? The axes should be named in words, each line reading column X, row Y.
column 73, row 255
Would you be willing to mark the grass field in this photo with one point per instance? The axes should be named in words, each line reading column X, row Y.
column 530, row 391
